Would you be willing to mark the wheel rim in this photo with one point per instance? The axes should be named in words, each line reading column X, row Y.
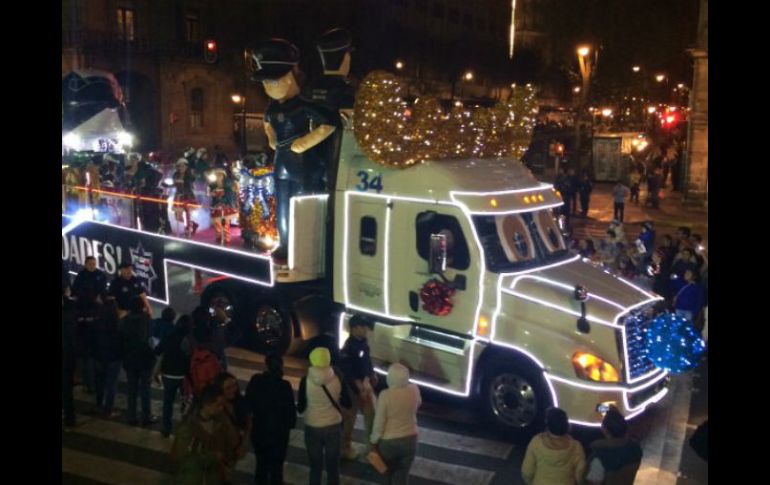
column 513, row 400
column 222, row 301
column 269, row 326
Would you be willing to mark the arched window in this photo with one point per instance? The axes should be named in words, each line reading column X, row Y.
column 196, row 108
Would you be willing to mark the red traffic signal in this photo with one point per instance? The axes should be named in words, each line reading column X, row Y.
column 210, row 51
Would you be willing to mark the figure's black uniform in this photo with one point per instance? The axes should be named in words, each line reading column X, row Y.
column 295, row 173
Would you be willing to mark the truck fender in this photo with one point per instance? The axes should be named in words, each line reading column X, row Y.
column 494, row 352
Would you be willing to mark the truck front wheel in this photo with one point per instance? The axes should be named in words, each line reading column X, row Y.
column 273, row 328
column 514, row 398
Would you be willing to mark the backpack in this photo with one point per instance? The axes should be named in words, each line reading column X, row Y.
column 204, row 368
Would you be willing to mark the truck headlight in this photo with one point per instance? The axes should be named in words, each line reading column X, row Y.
column 592, row 368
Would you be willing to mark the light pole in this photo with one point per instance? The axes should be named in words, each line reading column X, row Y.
column 584, row 61
column 239, row 100
column 466, row 77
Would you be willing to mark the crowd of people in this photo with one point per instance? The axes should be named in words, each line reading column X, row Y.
column 554, row 457
column 675, row 268
column 109, row 177
column 107, row 328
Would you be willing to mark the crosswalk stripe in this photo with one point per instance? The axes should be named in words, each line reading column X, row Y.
column 106, row 470
column 153, row 441
column 422, row 467
column 440, row 439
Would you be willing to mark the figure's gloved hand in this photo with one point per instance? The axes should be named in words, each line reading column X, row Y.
column 312, row 139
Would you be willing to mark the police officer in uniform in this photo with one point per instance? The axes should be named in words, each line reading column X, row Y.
column 125, row 287
column 90, row 279
column 295, row 128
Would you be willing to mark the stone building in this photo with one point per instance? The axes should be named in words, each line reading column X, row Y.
column 696, row 177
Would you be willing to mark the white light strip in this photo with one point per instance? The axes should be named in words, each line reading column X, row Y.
column 340, row 325
column 454, row 193
column 379, row 314
column 72, row 225
column 292, row 202
column 186, row 241
column 514, row 211
column 566, row 287
column 560, row 308
column 386, row 272
column 584, row 423
column 605, row 388
column 642, row 407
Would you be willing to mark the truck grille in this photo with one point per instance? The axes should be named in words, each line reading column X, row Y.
column 637, row 361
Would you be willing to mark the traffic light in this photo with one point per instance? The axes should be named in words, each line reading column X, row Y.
column 210, row 51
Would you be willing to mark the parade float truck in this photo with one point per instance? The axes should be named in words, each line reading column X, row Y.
column 459, row 264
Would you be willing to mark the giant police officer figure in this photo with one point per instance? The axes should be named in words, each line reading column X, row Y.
column 294, row 127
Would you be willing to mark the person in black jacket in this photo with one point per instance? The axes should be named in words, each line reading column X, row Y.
column 175, row 364
column 138, row 360
column 106, row 357
column 68, row 338
column 271, row 402
column 90, row 278
column 360, row 380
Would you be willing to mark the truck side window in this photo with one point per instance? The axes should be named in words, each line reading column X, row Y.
column 427, row 223
column 367, row 241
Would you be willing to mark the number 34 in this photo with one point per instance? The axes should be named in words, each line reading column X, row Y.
column 366, row 184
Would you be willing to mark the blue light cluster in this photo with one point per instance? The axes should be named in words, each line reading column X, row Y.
column 673, row 343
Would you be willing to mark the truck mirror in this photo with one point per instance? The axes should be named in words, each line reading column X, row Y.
column 438, row 253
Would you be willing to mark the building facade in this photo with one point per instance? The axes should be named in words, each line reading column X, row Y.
column 696, row 177
column 176, row 99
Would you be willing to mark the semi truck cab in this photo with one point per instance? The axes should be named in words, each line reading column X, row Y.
column 527, row 326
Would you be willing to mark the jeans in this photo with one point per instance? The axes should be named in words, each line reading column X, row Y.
column 138, row 382
column 270, row 459
column 318, row 440
column 366, row 406
column 170, row 388
column 106, row 381
column 398, row 454
column 619, row 210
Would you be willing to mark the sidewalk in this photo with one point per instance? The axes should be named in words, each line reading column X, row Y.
column 667, row 218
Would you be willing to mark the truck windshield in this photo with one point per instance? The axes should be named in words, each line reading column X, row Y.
column 513, row 242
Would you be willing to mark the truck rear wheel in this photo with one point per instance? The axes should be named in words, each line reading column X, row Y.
column 514, row 397
column 273, row 328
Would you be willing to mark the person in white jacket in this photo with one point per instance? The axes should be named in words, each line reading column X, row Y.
column 394, row 433
column 321, row 398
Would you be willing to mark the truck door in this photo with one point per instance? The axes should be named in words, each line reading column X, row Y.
column 364, row 261
column 411, row 228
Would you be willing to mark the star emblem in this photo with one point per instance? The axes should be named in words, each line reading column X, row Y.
column 143, row 268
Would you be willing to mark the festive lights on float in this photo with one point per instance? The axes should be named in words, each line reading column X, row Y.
column 396, row 135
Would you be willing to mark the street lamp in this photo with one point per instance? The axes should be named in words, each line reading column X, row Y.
column 606, row 112
column 660, row 77
column 576, row 89
column 636, row 68
column 468, row 76
column 585, row 73
column 399, row 65
column 240, row 100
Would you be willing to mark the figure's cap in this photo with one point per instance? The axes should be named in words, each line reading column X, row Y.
column 271, row 59
column 125, row 264
column 335, row 40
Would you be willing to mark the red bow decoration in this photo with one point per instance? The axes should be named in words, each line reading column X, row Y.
column 436, row 297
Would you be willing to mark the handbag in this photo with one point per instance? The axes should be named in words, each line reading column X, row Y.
column 377, row 462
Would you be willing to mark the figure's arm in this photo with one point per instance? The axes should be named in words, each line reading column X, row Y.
column 270, row 132
column 312, row 139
